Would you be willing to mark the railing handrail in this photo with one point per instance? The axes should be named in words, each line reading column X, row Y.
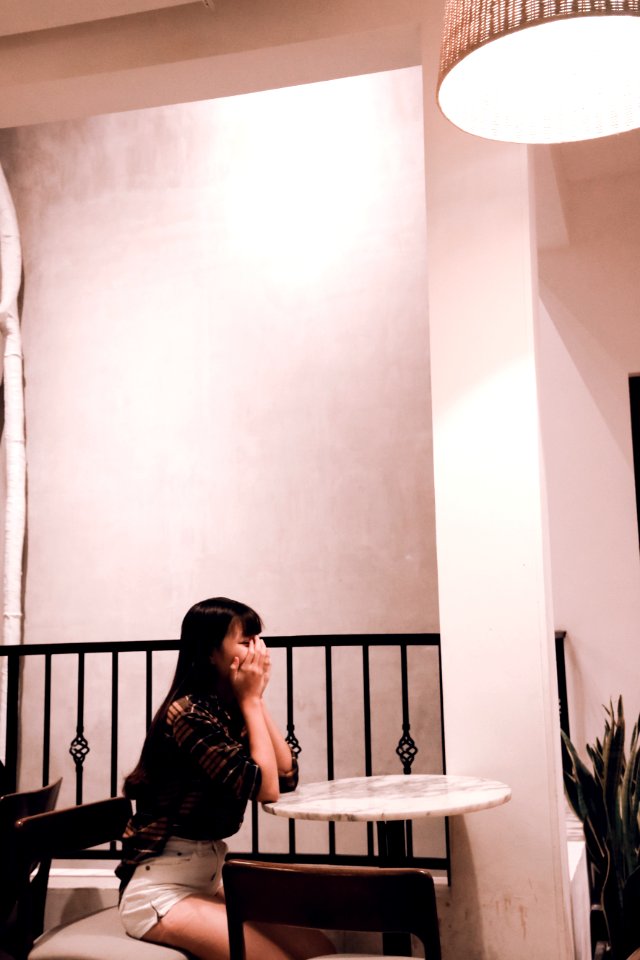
column 296, row 640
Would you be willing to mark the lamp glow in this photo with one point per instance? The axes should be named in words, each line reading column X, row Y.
column 532, row 71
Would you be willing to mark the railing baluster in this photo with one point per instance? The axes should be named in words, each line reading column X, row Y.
column 368, row 766
column 291, row 738
column 366, row 694
column 115, row 676
column 46, row 721
column 12, row 725
column 444, row 765
column 563, row 700
column 443, row 753
column 79, row 747
column 329, row 709
column 406, row 748
column 148, row 687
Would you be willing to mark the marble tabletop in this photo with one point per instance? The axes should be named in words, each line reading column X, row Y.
column 392, row 797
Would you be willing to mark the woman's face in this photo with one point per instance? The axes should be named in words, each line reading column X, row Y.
column 235, row 644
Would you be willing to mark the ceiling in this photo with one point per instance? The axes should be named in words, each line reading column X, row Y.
column 62, row 58
column 605, row 157
column 26, row 16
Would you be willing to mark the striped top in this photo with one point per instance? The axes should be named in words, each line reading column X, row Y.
column 204, row 779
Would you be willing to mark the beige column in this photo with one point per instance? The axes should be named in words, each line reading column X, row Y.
column 509, row 898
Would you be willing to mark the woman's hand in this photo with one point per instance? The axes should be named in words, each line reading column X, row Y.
column 267, row 662
column 249, row 678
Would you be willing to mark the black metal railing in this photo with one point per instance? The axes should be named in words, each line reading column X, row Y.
column 561, row 668
column 64, row 714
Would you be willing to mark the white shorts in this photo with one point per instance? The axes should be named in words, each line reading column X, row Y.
column 185, row 867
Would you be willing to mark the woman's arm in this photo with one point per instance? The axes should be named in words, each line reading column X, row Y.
column 284, row 757
column 261, row 748
column 281, row 749
column 248, row 681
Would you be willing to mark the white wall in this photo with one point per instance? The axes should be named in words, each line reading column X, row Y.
column 590, row 344
column 226, row 360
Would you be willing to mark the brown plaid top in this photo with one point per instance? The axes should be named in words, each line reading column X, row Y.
column 203, row 777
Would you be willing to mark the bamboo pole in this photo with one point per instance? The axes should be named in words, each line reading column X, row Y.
column 14, row 433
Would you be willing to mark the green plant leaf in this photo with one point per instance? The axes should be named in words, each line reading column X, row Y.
column 586, row 798
column 606, row 798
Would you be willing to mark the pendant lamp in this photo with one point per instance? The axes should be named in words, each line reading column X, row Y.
column 541, row 71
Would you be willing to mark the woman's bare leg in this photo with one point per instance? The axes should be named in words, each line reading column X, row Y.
column 300, row 943
column 199, row 925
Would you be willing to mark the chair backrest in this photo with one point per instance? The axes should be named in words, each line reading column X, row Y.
column 4, row 779
column 330, row 898
column 14, row 806
column 41, row 838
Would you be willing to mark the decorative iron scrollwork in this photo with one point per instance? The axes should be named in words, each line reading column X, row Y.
column 292, row 740
column 406, row 750
column 78, row 749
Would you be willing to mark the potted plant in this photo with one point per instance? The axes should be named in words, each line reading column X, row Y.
column 606, row 798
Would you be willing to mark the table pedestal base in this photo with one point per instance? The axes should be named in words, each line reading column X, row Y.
column 392, row 851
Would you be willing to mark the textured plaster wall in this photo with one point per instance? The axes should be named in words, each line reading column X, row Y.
column 226, row 356
column 589, row 345
column 227, row 384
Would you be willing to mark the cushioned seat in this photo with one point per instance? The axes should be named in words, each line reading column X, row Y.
column 99, row 936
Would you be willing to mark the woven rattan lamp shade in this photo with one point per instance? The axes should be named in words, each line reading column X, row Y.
column 541, row 71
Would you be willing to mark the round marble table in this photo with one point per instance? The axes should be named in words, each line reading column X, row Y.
column 392, row 797
column 390, row 801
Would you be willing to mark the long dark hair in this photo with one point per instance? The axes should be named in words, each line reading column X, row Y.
column 204, row 628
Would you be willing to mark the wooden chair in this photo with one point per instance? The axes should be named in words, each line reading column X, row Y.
column 14, row 806
column 99, row 936
column 4, row 779
column 330, row 898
